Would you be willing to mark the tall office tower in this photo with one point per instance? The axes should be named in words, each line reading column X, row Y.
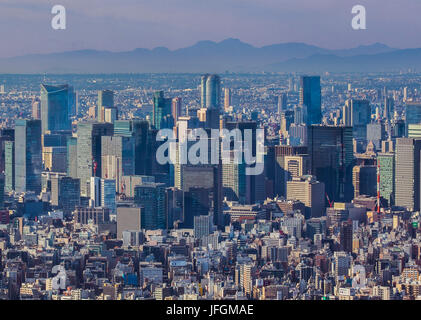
column 139, row 130
column 55, row 108
column 282, row 102
column 162, row 117
column 342, row 262
column 28, row 157
column 176, row 108
column 211, row 91
column 255, row 183
column 376, row 133
column 364, row 180
column 310, row 192
column 236, row 184
column 89, row 145
column 346, row 236
column 300, row 114
column 412, row 114
column 407, row 173
column 65, row 193
column 5, row 135
column 287, row 118
column 211, row 99
column 36, row 109
column 118, row 159
column 173, row 206
column 105, row 100
column 331, row 152
column 207, row 181
column 95, row 192
column 151, row 196
column 405, row 94
column 108, row 187
column 311, row 97
column 227, row 99
column 389, row 108
column 129, row 218
column 72, row 157
column 275, row 166
column 357, row 113
column 386, row 163
column 9, row 167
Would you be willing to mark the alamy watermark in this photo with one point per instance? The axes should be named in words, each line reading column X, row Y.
column 196, row 147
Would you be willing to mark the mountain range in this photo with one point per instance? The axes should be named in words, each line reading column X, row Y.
column 228, row 55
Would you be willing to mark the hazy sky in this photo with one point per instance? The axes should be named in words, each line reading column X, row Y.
column 119, row 25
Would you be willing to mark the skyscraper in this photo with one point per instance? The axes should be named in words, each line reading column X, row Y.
column 105, row 100
column 176, row 107
column 151, row 196
column 89, row 136
column 412, row 114
column 282, row 102
column 55, row 108
column 211, row 91
column 227, row 99
column 162, row 115
column 310, row 96
column 407, row 173
column 9, row 167
column 331, row 153
column 386, row 162
column 118, row 158
column 28, row 157
column 108, row 187
column 357, row 113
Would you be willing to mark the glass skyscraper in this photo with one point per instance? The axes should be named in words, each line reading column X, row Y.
column 55, row 104
column 28, row 157
column 162, row 117
column 311, row 97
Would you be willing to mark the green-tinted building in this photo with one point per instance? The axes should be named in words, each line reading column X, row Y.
column 162, row 117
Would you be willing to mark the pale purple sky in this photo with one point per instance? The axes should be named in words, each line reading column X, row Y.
column 120, row 25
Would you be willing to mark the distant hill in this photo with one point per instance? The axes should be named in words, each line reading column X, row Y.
column 228, row 55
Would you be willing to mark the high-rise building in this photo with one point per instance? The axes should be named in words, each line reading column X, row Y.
column 202, row 226
column 28, row 157
column 36, row 109
column 346, row 236
column 151, row 196
column 376, row 133
column 407, row 173
column 357, row 113
column 162, row 115
column 282, row 102
column 389, row 108
column 386, row 163
column 9, row 166
column 311, row 97
column 176, row 108
column 412, row 114
column 65, row 193
column 108, row 194
column 89, row 136
column 118, row 158
column 105, row 100
column 310, row 192
column 72, row 157
column 364, row 180
column 55, row 108
column 211, row 91
column 331, row 153
column 227, row 99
